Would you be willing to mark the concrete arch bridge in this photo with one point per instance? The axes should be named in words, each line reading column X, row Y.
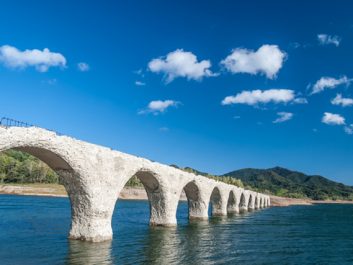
column 94, row 176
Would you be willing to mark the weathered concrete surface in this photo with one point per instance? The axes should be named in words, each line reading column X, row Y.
column 94, row 176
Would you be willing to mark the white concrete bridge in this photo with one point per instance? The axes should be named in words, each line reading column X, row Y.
column 94, row 176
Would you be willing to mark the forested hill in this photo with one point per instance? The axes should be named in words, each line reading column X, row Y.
column 283, row 182
column 19, row 167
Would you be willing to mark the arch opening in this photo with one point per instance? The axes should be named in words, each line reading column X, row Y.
column 232, row 204
column 257, row 204
column 54, row 161
column 190, row 202
column 39, row 165
column 242, row 204
column 216, row 203
column 144, row 187
column 36, row 165
column 195, row 206
column 192, row 192
column 251, row 203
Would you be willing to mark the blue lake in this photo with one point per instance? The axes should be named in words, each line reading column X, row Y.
column 33, row 230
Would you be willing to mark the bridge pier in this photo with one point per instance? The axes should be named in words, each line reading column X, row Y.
column 91, row 208
column 90, row 228
column 163, row 215
column 198, row 210
column 233, row 209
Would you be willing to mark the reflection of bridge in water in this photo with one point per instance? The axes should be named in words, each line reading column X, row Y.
column 94, row 176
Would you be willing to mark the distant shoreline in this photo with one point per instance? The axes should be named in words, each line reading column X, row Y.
column 135, row 193
column 282, row 201
column 56, row 190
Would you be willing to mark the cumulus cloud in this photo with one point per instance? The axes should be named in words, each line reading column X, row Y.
column 42, row 60
column 348, row 129
column 325, row 39
column 329, row 83
column 267, row 60
column 180, row 63
column 283, row 116
column 159, row 106
column 255, row 97
column 344, row 102
column 333, row 119
column 140, row 83
column 83, row 67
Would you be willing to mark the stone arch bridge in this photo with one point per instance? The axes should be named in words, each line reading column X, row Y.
column 94, row 176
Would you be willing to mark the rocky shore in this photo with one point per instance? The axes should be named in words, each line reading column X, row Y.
column 129, row 193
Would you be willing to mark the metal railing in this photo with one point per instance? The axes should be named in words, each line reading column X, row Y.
column 8, row 122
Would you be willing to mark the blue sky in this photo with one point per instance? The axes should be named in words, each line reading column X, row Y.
column 215, row 85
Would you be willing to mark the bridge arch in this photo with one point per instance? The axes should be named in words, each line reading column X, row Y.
column 157, row 194
column 243, row 204
column 257, row 202
column 72, row 179
column 261, row 202
column 218, row 202
column 233, row 203
column 251, row 202
column 197, row 207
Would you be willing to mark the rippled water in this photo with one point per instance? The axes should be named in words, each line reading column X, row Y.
column 33, row 230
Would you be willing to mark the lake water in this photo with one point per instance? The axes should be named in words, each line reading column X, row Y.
column 33, row 230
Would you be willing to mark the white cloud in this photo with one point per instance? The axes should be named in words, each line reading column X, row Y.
column 330, row 83
column 159, row 106
column 348, row 129
column 41, row 60
column 140, row 83
column 344, row 102
column 255, row 97
column 164, row 129
column 181, row 64
column 333, row 119
column 325, row 39
column 300, row 101
column 268, row 60
column 83, row 67
column 283, row 116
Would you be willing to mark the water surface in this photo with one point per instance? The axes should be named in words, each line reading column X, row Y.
column 33, row 230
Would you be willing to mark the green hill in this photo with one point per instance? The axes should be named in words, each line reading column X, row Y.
column 19, row 167
column 283, row 182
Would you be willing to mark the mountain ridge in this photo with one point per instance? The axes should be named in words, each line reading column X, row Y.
column 289, row 183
